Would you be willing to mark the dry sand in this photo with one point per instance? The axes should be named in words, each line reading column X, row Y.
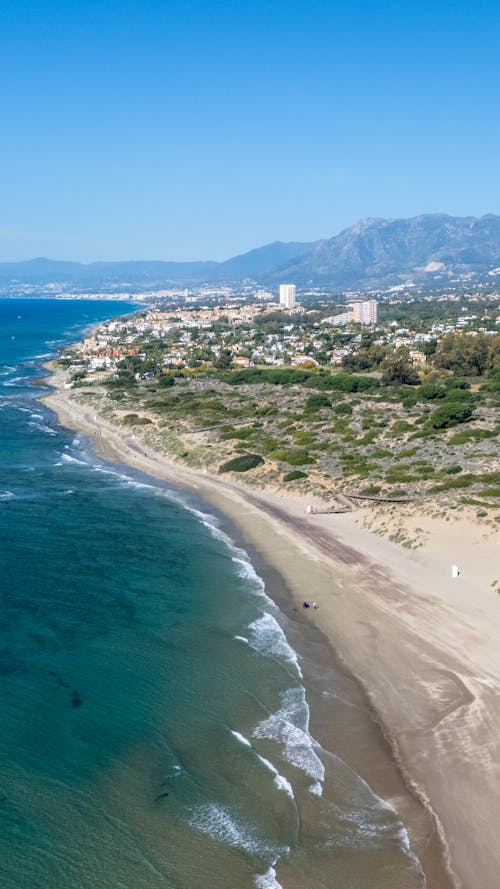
column 423, row 646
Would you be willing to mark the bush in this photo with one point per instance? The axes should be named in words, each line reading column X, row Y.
column 241, row 434
column 453, row 470
column 135, row 420
column 242, row 464
column 315, row 402
column 456, row 383
column 166, row 381
column 467, row 435
column 294, row 475
column 342, row 382
column 295, row 456
column 449, row 415
column 429, row 391
column 278, row 376
column 342, row 408
column 371, row 490
column 400, row 426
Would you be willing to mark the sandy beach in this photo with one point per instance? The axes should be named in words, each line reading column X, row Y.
column 422, row 645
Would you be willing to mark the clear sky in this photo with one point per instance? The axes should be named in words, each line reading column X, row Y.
column 173, row 129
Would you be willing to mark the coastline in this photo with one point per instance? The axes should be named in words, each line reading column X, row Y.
column 421, row 645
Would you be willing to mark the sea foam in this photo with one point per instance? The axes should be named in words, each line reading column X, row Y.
column 225, row 825
column 268, row 880
column 266, row 636
column 289, row 726
column 280, row 781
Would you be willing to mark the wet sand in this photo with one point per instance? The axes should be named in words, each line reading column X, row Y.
column 421, row 646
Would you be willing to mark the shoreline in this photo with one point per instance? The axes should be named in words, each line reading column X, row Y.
column 393, row 620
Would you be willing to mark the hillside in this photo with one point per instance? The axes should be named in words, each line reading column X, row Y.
column 436, row 250
column 387, row 252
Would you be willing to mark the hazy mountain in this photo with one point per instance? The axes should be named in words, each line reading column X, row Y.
column 384, row 252
column 253, row 264
column 137, row 272
column 374, row 253
column 258, row 262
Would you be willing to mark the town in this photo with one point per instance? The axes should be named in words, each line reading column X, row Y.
column 241, row 331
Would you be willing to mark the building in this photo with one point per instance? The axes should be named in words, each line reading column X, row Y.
column 363, row 312
column 287, row 296
column 263, row 294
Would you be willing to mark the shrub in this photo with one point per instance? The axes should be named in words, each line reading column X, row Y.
column 342, row 408
column 429, row 391
column 241, row 434
column 294, row 456
column 135, row 420
column 278, row 376
column 304, row 438
column 294, row 475
column 400, row 426
column 369, row 437
column 456, row 383
column 315, row 402
column 343, row 382
column 449, row 415
column 242, row 464
column 467, row 435
column 453, row 470
column 371, row 490
column 166, row 381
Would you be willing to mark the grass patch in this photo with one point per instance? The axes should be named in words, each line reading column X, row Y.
column 294, row 456
column 473, row 435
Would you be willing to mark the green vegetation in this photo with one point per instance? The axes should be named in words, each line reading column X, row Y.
column 294, row 456
column 135, row 420
column 242, row 464
column 449, row 415
column 358, row 423
column 294, row 475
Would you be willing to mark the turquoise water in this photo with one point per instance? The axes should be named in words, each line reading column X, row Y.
column 154, row 723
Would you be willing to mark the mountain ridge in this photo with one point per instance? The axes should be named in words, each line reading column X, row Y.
column 374, row 253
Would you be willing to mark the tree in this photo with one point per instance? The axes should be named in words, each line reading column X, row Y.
column 463, row 354
column 397, row 370
column 224, row 360
column 356, row 361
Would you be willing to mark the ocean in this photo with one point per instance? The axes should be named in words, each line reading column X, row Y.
column 153, row 708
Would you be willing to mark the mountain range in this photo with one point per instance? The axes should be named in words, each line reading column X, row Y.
column 432, row 249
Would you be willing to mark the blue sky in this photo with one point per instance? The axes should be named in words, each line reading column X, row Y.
column 196, row 130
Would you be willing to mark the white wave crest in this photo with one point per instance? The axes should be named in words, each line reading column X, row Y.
column 268, row 880
column 67, row 458
column 225, row 825
column 266, row 636
column 42, row 427
column 289, row 726
column 280, row 781
column 241, row 738
column 245, row 569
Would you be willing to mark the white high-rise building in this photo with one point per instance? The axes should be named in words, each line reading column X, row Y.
column 364, row 312
column 287, row 295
